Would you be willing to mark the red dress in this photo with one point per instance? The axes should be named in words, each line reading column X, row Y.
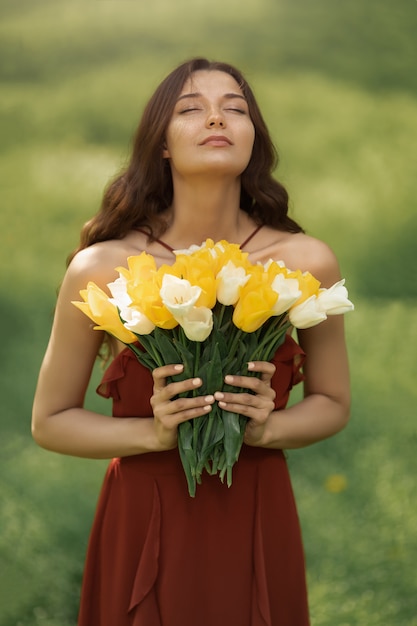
column 228, row 557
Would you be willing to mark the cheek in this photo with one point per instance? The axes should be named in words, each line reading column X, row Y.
column 176, row 137
column 249, row 141
column 251, row 136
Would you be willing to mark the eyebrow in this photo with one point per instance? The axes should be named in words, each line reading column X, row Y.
column 227, row 96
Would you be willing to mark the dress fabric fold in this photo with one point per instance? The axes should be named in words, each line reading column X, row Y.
column 228, row 557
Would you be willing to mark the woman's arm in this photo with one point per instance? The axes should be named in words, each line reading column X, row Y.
column 324, row 411
column 59, row 421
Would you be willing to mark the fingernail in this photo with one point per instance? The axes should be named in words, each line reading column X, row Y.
column 228, row 379
column 251, row 366
column 219, row 395
column 178, row 368
column 222, row 404
column 209, row 399
column 197, row 381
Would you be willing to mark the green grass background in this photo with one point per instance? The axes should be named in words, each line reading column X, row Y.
column 337, row 84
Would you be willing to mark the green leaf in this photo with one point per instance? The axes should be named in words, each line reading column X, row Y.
column 144, row 358
column 234, row 430
column 210, row 436
column 166, row 346
column 212, row 370
column 186, row 357
column 187, row 455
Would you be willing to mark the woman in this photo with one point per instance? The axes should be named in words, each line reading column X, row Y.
column 201, row 167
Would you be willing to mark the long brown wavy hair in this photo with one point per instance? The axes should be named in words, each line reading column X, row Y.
column 141, row 193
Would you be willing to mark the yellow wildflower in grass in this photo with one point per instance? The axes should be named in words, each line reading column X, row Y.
column 335, row 483
column 104, row 313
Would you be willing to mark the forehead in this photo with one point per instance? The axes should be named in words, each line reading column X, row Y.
column 211, row 81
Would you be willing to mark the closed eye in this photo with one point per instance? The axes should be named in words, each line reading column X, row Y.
column 189, row 110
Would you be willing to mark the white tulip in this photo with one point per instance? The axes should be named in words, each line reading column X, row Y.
column 288, row 293
column 188, row 251
column 270, row 262
column 135, row 321
column 306, row 314
column 230, row 280
column 198, row 323
column 118, row 290
column 132, row 317
column 178, row 295
column 334, row 300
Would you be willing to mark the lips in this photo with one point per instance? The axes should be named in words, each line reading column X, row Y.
column 219, row 140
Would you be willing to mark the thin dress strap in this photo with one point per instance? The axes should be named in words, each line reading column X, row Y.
column 165, row 245
column 162, row 243
column 258, row 228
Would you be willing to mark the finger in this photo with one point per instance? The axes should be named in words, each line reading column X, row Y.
column 253, row 383
column 160, row 374
column 245, row 400
column 171, row 390
column 189, row 408
column 253, row 407
column 266, row 369
column 182, row 409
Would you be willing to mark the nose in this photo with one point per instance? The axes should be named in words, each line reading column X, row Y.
column 215, row 119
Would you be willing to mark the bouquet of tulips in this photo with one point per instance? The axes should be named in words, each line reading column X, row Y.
column 214, row 311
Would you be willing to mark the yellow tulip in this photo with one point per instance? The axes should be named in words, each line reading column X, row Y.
column 148, row 298
column 273, row 268
column 199, row 272
column 139, row 268
column 143, row 283
column 226, row 252
column 308, row 285
column 141, row 271
column 159, row 315
column 98, row 308
column 254, row 307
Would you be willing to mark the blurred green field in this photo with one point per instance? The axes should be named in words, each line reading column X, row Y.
column 338, row 88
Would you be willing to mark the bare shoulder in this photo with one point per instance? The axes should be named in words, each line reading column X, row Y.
column 313, row 254
column 301, row 251
column 97, row 263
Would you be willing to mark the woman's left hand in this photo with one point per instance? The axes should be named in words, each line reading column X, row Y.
column 256, row 406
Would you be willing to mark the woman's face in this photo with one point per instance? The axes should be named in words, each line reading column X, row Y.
column 210, row 131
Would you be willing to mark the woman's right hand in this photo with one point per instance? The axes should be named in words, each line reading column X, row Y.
column 169, row 410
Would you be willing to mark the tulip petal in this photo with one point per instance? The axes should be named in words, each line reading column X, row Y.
column 306, row 314
column 198, row 323
column 334, row 300
column 178, row 295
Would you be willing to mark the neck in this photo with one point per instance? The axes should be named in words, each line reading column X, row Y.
column 208, row 209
